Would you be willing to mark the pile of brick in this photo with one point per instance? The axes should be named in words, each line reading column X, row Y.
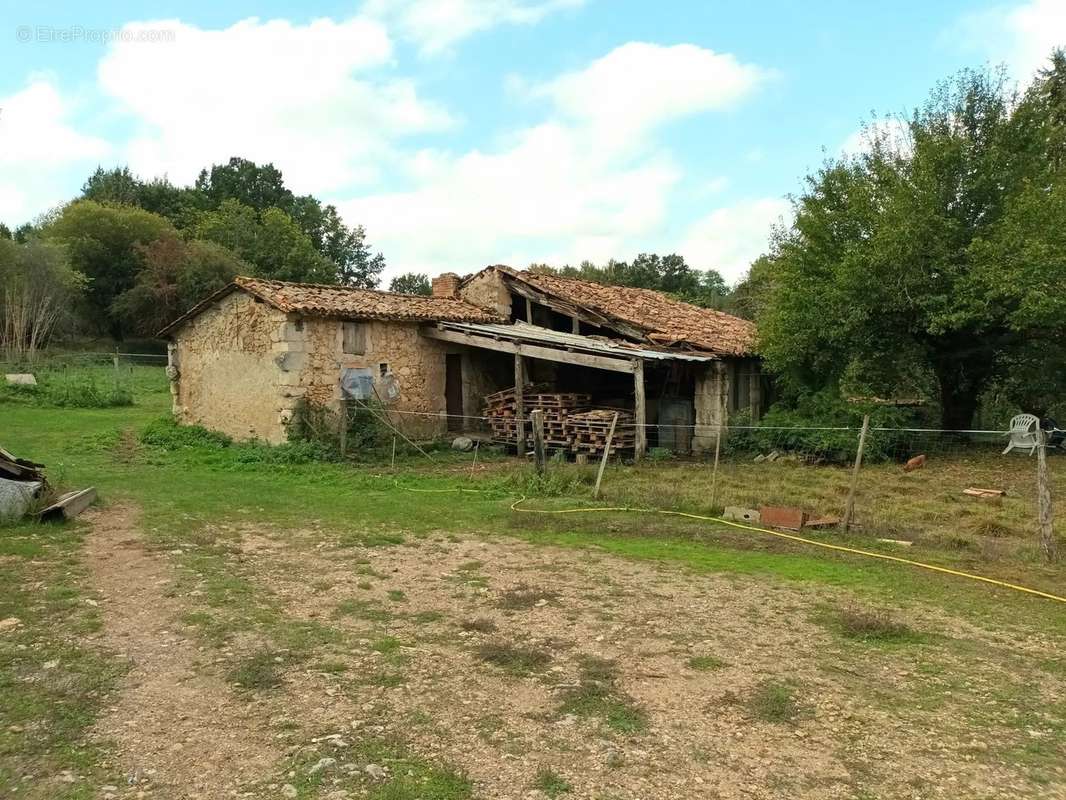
column 569, row 422
column 589, row 431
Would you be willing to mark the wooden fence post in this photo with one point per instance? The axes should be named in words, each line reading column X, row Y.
column 537, row 419
column 606, row 454
column 1043, row 500
column 849, row 509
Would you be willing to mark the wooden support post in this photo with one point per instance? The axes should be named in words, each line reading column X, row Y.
column 537, row 420
column 849, row 509
column 342, row 426
column 394, row 452
column 714, row 473
column 639, row 411
column 519, row 402
column 576, row 325
column 529, row 311
column 1043, row 501
column 606, row 455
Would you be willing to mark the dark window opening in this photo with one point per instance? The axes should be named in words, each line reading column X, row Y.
column 383, row 368
column 298, row 325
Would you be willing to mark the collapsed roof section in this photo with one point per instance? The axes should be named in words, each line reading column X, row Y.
column 645, row 314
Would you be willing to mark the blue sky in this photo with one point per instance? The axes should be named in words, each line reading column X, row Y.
column 466, row 132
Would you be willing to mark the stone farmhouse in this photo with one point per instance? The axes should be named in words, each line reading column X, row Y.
column 242, row 359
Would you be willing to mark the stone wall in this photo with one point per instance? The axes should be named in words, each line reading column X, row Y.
column 487, row 290
column 227, row 378
column 712, row 404
column 416, row 363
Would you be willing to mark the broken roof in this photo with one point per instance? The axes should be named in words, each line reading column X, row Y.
column 343, row 302
column 664, row 320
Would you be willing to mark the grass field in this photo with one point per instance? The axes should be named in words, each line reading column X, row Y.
column 229, row 624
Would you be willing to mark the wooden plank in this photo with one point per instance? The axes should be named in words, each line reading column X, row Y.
column 606, row 455
column 70, row 505
column 640, row 412
column 530, row 350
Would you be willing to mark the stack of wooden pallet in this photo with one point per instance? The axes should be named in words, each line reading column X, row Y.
column 502, row 411
column 588, row 431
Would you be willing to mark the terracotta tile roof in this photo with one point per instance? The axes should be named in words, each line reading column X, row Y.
column 665, row 320
column 344, row 302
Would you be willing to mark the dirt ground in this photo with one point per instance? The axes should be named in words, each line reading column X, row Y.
column 539, row 671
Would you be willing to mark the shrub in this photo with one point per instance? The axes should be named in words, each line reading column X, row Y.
column 165, row 432
column 807, row 423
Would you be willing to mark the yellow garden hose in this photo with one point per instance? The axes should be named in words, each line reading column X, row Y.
column 841, row 548
column 515, row 507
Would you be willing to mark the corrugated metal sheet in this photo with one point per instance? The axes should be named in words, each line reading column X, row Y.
column 524, row 332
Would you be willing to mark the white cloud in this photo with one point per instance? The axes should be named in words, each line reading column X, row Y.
column 38, row 143
column 34, row 127
column 548, row 197
column 588, row 183
column 309, row 98
column 1023, row 35
column 636, row 87
column 729, row 239
column 436, row 25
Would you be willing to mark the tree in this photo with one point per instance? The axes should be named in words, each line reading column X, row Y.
column 670, row 274
column 37, row 291
column 270, row 241
column 174, row 276
column 346, row 247
column 411, row 283
column 119, row 186
column 260, row 187
column 100, row 240
column 5, row 232
column 886, row 279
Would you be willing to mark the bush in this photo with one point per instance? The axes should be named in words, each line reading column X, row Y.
column 807, row 423
column 165, row 432
column 319, row 425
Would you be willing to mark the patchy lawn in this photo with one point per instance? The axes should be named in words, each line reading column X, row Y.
column 324, row 631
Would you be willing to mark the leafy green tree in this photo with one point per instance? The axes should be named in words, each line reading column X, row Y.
column 5, row 232
column 889, row 279
column 100, row 240
column 260, row 187
column 173, row 277
column 119, row 186
column 270, row 241
column 411, row 283
column 357, row 264
column 670, row 274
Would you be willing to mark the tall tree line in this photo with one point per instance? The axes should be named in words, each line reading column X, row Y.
column 140, row 252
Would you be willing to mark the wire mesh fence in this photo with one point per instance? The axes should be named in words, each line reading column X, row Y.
column 953, row 489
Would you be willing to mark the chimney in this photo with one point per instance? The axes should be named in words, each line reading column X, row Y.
column 446, row 285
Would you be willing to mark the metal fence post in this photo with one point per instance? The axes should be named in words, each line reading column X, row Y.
column 849, row 509
column 1043, row 500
